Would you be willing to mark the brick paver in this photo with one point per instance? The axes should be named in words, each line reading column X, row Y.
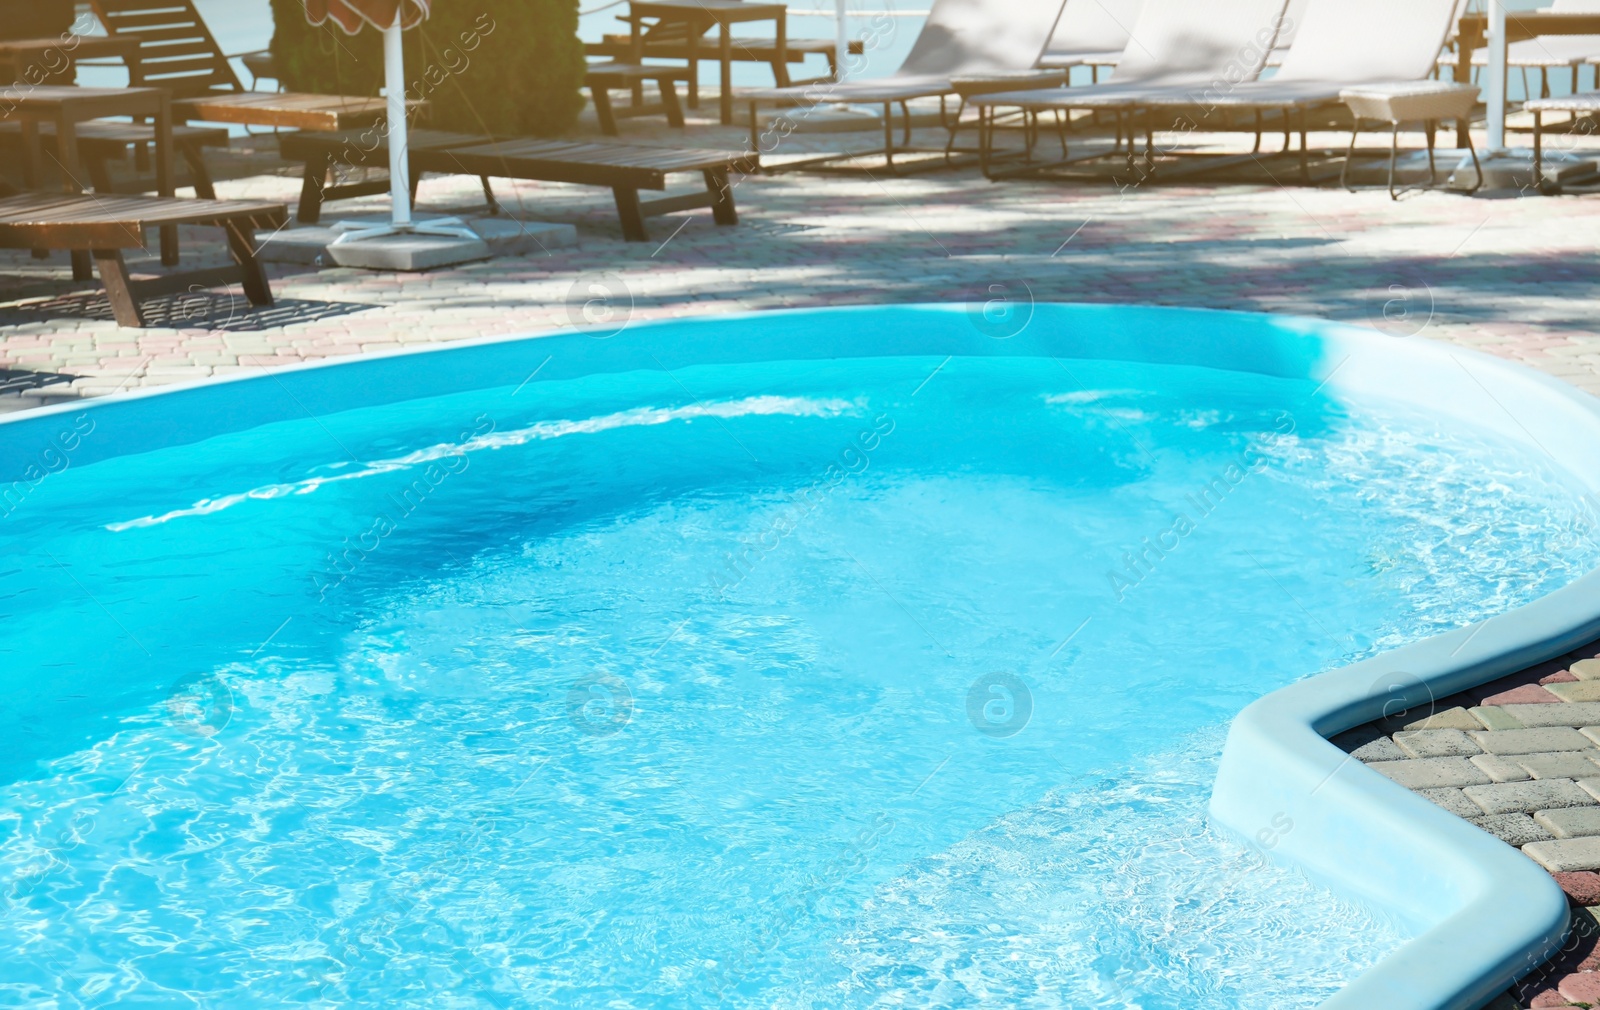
column 1512, row 276
column 1538, row 790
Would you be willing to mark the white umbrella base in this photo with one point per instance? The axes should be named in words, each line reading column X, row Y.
column 314, row 245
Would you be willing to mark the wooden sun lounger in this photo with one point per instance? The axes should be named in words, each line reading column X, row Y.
column 107, row 224
column 660, row 45
column 623, row 168
column 101, row 140
column 178, row 52
column 626, row 169
column 321, row 151
column 602, row 78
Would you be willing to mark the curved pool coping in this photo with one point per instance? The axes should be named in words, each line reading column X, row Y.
column 1483, row 913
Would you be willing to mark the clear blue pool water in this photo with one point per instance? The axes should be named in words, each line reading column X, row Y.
column 869, row 683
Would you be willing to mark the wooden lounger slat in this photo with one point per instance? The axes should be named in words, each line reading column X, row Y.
column 45, row 210
column 187, row 66
column 747, row 50
column 105, row 224
column 100, row 140
column 624, row 168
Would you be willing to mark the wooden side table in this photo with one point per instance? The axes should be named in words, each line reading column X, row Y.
column 1472, row 34
column 39, row 61
column 291, row 111
column 700, row 15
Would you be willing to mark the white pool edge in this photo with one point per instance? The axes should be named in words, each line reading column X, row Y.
column 1490, row 914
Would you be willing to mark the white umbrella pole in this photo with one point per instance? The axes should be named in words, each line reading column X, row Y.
column 841, row 39
column 400, row 223
column 394, row 81
column 1496, row 97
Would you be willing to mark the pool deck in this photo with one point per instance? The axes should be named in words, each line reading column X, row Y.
column 1512, row 276
column 1520, row 758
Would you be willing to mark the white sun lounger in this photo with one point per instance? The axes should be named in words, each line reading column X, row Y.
column 1091, row 33
column 1292, row 17
column 960, row 37
column 1383, row 49
column 1185, row 44
column 1188, row 47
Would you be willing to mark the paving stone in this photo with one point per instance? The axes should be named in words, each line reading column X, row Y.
column 1593, row 733
column 1494, row 717
column 1581, row 886
column 1586, row 669
column 1501, row 769
column 1567, row 765
column 1429, row 773
column 1431, row 743
column 1381, row 749
column 1574, row 714
column 1565, row 854
column 1450, row 718
column 1583, row 987
column 1578, row 690
column 1591, row 786
column 1570, row 822
column 1526, row 694
column 1360, row 736
column 1453, row 800
column 1532, row 741
column 1526, row 797
column 1514, row 829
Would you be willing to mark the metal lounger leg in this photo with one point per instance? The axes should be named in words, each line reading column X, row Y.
column 1349, row 156
column 1305, row 152
column 951, row 128
column 1431, row 126
column 888, row 133
column 1477, row 166
column 1394, row 155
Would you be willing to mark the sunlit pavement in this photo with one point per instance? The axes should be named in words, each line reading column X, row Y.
column 1513, row 275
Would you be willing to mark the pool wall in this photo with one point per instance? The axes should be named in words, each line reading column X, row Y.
column 1483, row 912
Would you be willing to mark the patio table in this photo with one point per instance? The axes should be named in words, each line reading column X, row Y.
column 66, row 106
column 21, row 54
column 323, row 113
column 700, row 15
column 1473, row 34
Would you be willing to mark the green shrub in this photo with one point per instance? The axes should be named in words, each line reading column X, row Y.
column 502, row 67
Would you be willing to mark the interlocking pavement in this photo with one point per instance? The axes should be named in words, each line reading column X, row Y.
column 1520, row 758
column 1513, row 275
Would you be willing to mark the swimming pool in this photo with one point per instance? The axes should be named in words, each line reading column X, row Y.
column 820, row 659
